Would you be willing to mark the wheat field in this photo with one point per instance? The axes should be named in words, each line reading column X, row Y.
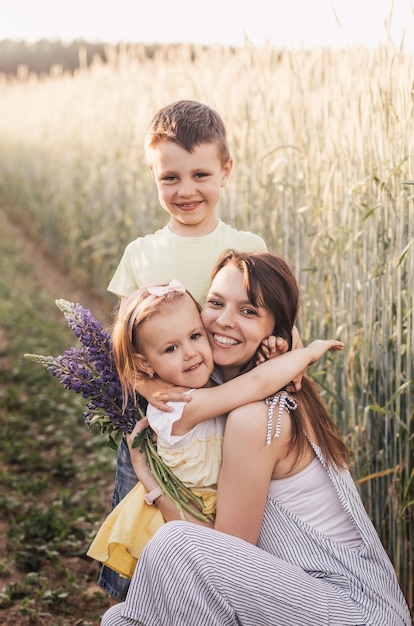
column 323, row 144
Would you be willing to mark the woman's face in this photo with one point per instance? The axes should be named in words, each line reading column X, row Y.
column 234, row 326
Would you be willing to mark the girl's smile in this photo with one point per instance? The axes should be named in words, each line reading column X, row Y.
column 175, row 345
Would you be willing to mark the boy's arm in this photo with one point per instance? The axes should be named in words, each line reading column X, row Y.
column 275, row 346
column 157, row 392
column 123, row 282
column 257, row 384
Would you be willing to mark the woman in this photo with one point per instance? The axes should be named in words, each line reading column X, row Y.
column 158, row 333
column 292, row 542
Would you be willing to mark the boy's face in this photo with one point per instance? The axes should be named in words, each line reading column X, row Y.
column 189, row 185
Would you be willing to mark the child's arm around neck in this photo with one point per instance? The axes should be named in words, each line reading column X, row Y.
column 257, row 384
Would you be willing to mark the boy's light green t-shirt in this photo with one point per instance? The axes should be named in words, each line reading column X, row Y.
column 163, row 255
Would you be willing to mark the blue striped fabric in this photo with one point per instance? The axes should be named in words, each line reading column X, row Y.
column 194, row 576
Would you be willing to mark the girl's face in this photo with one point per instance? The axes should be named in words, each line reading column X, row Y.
column 234, row 326
column 175, row 345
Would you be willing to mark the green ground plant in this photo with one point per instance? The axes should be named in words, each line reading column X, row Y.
column 55, row 473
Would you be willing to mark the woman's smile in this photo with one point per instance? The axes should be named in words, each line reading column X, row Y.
column 224, row 340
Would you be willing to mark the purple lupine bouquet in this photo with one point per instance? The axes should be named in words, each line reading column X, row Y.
column 89, row 369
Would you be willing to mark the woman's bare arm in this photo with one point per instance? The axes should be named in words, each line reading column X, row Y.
column 243, row 486
column 246, row 471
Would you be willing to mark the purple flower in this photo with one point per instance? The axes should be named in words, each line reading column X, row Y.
column 89, row 370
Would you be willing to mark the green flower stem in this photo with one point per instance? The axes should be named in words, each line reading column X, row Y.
column 174, row 489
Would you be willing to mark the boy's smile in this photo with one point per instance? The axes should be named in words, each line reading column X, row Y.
column 189, row 185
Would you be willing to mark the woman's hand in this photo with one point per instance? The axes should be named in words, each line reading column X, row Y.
column 139, row 458
column 157, row 392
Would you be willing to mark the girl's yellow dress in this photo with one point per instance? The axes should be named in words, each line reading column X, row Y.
column 195, row 458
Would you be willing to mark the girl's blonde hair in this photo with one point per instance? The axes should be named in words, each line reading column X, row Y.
column 132, row 313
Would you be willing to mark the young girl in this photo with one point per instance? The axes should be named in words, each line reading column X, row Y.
column 159, row 332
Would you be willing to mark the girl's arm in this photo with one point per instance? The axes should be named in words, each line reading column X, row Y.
column 139, row 462
column 272, row 347
column 158, row 392
column 257, row 384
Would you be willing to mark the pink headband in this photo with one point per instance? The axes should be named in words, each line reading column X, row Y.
column 156, row 291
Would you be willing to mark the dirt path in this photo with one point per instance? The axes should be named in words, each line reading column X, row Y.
column 44, row 276
column 49, row 277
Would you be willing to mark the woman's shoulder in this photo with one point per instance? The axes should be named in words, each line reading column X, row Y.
column 258, row 408
column 261, row 422
column 248, row 420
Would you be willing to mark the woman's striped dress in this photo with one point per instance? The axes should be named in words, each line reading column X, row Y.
column 194, row 576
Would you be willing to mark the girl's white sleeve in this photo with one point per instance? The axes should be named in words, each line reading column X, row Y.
column 162, row 423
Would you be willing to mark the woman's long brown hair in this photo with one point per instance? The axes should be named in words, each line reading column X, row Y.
column 270, row 283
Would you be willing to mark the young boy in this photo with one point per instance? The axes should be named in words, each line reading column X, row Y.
column 190, row 162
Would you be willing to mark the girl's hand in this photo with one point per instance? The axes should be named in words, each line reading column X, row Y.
column 319, row 347
column 137, row 457
column 139, row 462
column 139, row 427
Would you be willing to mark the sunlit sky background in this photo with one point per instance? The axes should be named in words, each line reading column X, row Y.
column 282, row 23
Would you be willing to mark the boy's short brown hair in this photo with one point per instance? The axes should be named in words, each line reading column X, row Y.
column 188, row 123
